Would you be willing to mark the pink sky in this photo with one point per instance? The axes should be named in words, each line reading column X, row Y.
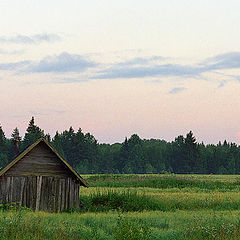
column 155, row 68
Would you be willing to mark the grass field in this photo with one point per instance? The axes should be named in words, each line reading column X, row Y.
column 139, row 207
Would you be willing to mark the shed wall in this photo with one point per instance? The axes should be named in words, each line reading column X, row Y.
column 40, row 192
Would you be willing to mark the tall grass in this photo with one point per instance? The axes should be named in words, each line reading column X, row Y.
column 17, row 225
column 180, row 225
column 166, row 207
column 162, row 181
column 119, row 201
column 100, row 200
column 213, row 228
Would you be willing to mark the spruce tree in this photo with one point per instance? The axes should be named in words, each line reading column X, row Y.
column 14, row 143
column 15, row 135
column 191, row 152
column 33, row 132
column 56, row 142
column 2, row 140
column 3, row 148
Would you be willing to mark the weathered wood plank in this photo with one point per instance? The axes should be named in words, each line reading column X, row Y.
column 21, row 191
column 8, row 189
column 39, row 186
column 63, row 205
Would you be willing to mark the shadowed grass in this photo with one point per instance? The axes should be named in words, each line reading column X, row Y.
column 121, row 201
column 101, row 200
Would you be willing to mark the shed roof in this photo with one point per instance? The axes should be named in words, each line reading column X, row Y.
column 28, row 149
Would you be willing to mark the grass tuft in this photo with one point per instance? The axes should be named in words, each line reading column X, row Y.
column 118, row 201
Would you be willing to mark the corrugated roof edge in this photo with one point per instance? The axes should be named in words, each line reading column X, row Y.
column 28, row 149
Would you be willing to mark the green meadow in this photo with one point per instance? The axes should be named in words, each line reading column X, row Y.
column 138, row 207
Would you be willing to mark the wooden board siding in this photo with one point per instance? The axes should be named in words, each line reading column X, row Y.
column 40, row 161
column 40, row 193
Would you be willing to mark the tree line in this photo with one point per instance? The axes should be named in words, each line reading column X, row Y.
column 135, row 155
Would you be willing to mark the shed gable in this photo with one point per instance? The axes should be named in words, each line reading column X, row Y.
column 40, row 161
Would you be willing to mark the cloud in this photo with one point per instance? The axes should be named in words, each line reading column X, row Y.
column 32, row 39
column 70, row 80
column 222, row 84
column 14, row 52
column 154, row 81
column 14, row 65
column 176, row 90
column 18, row 116
column 150, row 67
column 237, row 78
column 62, row 63
column 140, row 61
column 46, row 112
column 166, row 70
column 37, row 113
column 46, row 38
column 138, row 67
column 59, row 112
column 229, row 60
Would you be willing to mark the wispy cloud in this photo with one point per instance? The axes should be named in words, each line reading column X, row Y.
column 176, row 90
column 38, row 113
column 222, row 84
column 59, row 112
column 237, row 78
column 62, row 63
column 18, row 116
column 149, row 71
column 70, row 80
column 140, row 61
column 14, row 52
column 31, row 39
column 150, row 67
column 14, row 65
column 138, row 67
column 222, row 61
column 46, row 112
column 154, row 81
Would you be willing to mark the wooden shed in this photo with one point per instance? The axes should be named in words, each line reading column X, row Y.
column 40, row 179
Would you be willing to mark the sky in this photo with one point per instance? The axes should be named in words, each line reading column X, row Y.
column 115, row 68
